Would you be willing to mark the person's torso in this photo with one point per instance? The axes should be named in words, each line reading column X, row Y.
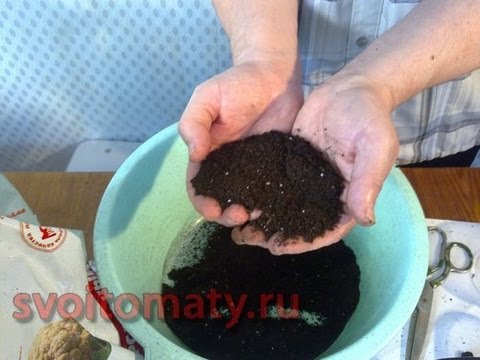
column 437, row 122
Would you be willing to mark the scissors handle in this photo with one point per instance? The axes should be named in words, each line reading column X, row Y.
column 467, row 251
column 450, row 267
column 443, row 246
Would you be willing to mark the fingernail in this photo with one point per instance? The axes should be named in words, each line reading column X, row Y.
column 370, row 216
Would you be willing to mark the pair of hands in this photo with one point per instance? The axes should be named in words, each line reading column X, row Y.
column 348, row 117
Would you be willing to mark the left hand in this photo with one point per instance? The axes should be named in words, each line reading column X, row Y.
column 349, row 118
column 249, row 98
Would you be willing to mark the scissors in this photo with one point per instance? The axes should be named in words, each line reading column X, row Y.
column 420, row 318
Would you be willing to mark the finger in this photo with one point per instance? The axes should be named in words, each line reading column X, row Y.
column 298, row 245
column 278, row 246
column 247, row 235
column 194, row 126
column 374, row 159
column 234, row 215
column 207, row 207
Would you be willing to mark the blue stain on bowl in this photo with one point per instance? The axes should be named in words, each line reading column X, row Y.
column 145, row 206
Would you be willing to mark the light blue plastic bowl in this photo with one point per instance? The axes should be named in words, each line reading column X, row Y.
column 145, row 206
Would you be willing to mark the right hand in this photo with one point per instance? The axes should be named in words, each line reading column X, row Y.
column 250, row 98
column 348, row 117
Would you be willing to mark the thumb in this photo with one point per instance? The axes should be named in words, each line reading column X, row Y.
column 373, row 161
column 194, row 126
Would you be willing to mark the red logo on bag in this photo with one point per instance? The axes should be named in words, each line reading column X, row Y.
column 43, row 238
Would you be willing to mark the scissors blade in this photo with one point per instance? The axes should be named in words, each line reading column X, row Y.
column 419, row 329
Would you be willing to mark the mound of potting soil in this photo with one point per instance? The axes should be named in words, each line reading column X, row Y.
column 295, row 186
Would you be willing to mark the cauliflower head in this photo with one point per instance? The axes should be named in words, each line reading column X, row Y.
column 61, row 340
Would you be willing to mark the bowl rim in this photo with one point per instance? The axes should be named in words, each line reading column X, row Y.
column 155, row 343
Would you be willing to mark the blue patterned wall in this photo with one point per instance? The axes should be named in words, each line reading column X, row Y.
column 73, row 70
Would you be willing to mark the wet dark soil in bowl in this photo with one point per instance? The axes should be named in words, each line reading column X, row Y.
column 241, row 302
column 295, row 186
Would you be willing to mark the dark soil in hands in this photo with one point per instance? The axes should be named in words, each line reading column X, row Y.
column 325, row 281
column 295, row 186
